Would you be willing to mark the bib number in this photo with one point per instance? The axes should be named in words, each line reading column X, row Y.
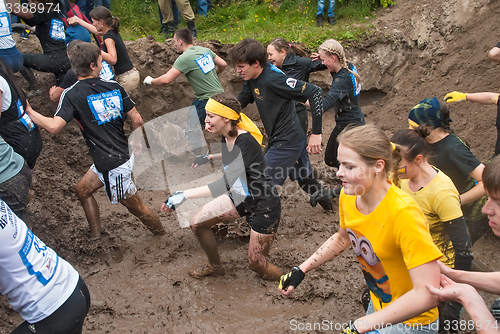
column 57, row 30
column 5, row 29
column 205, row 62
column 106, row 106
column 106, row 71
column 32, row 249
column 25, row 119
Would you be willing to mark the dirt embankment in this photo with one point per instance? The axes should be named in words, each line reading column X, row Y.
column 139, row 283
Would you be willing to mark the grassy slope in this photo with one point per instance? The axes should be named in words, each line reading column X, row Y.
column 294, row 20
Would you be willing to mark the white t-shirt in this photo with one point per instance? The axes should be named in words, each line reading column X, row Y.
column 6, row 94
column 34, row 278
column 6, row 40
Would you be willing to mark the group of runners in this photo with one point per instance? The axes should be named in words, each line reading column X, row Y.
column 400, row 230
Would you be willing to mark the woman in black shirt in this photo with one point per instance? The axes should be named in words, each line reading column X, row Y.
column 245, row 190
column 114, row 53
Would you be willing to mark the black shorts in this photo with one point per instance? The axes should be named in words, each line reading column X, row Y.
column 68, row 318
column 263, row 216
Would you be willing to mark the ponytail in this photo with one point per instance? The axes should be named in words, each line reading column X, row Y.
column 102, row 13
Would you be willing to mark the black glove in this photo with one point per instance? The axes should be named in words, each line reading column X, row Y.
column 350, row 329
column 293, row 278
column 323, row 194
column 201, row 159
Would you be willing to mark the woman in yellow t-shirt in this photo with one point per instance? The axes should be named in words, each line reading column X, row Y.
column 439, row 200
column 389, row 235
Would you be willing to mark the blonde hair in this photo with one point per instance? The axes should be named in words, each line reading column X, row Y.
column 372, row 144
column 332, row 47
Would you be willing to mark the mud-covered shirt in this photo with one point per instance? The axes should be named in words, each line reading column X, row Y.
column 275, row 94
column 343, row 96
column 452, row 156
column 123, row 62
column 50, row 31
column 245, row 173
column 16, row 127
column 100, row 107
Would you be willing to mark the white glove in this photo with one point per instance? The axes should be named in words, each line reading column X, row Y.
column 175, row 200
column 147, row 80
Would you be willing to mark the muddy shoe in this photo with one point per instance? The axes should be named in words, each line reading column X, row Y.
column 207, row 270
column 331, row 21
column 326, row 204
column 319, row 20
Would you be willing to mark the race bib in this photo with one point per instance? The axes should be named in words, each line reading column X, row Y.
column 106, row 106
column 25, row 119
column 5, row 29
column 30, row 253
column 106, row 71
column 205, row 62
column 57, row 30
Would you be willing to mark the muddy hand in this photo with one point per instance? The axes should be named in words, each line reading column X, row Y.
column 290, row 281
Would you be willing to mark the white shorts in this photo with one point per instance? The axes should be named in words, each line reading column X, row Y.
column 118, row 183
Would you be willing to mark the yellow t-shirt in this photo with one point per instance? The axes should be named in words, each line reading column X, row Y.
column 388, row 242
column 440, row 202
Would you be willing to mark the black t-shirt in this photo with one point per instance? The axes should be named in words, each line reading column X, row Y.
column 50, row 31
column 123, row 62
column 19, row 131
column 69, row 79
column 100, row 107
column 274, row 94
column 452, row 156
column 245, row 174
column 300, row 68
column 343, row 96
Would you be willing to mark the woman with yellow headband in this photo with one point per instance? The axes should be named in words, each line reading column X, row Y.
column 245, row 190
column 389, row 235
column 439, row 200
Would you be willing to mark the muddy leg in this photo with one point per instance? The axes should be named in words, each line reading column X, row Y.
column 136, row 206
column 258, row 252
column 216, row 211
column 85, row 189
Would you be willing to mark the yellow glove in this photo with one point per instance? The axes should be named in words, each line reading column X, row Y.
column 455, row 97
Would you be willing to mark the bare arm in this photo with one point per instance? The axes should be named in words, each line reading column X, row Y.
column 166, row 78
column 17, row 10
column 494, row 54
column 51, row 124
column 110, row 57
column 76, row 20
column 220, row 64
column 335, row 245
column 414, row 302
column 489, row 282
column 137, row 122
column 478, row 190
column 470, row 299
column 483, row 98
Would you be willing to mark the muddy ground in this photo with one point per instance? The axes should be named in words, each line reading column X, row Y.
column 139, row 282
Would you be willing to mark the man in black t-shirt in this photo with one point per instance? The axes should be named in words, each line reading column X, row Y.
column 275, row 94
column 100, row 107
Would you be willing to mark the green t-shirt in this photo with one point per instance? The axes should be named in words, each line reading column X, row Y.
column 197, row 64
column 11, row 163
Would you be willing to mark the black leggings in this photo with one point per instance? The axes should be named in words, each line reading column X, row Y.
column 55, row 63
column 332, row 146
column 67, row 319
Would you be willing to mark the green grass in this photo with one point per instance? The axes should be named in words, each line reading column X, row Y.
column 232, row 21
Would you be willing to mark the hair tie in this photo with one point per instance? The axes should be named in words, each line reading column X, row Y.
column 393, row 146
column 112, row 17
column 289, row 45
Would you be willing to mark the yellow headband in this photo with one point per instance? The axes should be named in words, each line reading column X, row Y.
column 244, row 122
column 219, row 109
column 393, row 146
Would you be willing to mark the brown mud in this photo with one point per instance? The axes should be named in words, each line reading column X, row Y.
column 139, row 282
